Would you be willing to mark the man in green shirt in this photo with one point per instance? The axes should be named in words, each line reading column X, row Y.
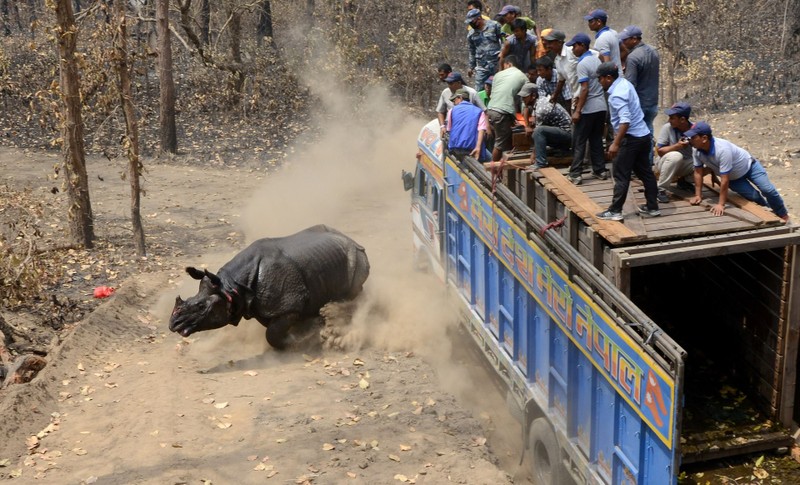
column 502, row 107
column 486, row 94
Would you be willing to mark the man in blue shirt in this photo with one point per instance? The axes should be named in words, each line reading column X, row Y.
column 632, row 141
column 736, row 168
column 589, row 115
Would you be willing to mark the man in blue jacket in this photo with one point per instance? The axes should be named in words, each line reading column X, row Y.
column 467, row 126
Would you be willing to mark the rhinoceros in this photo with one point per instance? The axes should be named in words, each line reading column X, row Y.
column 278, row 281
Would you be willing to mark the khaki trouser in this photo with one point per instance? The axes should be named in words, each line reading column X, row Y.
column 672, row 166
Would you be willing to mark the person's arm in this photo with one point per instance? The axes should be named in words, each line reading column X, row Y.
column 679, row 145
column 442, row 126
column 724, row 183
column 576, row 113
column 504, row 52
column 482, row 125
column 557, row 91
column 472, row 61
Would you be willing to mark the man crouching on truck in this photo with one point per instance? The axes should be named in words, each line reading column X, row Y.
column 736, row 168
column 466, row 124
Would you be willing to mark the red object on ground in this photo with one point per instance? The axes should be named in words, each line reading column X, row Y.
column 103, row 291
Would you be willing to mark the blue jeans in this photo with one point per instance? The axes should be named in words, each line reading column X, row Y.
column 650, row 113
column 755, row 185
column 544, row 136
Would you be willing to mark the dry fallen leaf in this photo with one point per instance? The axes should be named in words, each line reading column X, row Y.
column 224, row 425
column 251, row 373
column 358, row 362
column 351, row 474
column 79, row 451
column 328, row 447
column 405, row 448
column 363, row 384
column 760, row 473
column 400, row 477
column 394, row 457
column 221, row 405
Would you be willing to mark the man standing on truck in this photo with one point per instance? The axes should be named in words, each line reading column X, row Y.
column 674, row 152
column 606, row 40
column 736, row 168
column 588, row 114
column 502, row 107
column 466, row 124
column 642, row 70
column 566, row 65
column 632, row 141
column 484, row 41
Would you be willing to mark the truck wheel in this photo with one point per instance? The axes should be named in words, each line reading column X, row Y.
column 546, row 466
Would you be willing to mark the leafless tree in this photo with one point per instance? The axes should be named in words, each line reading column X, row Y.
column 80, row 210
column 168, row 130
column 132, row 131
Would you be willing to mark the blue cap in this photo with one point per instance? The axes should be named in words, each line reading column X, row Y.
column 681, row 109
column 699, row 128
column 509, row 9
column 630, row 31
column 579, row 38
column 596, row 14
column 472, row 15
column 490, row 80
column 453, row 77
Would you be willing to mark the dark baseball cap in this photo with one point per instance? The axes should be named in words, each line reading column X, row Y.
column 460, row 93
column 579, row 38
column 509, row 9
column 699, row 128
column 681, row 109
column 596, row 14
column 630, row 31
column 453, row 77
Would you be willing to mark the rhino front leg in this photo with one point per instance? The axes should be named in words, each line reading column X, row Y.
column 293, row 330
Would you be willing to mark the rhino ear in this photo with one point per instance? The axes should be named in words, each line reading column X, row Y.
column 195, row 273
column 213, row 278
column 178, row 301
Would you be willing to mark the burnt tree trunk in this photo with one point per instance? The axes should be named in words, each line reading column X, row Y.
column 205, row 22
column 80, row 208
column 4, row 13
column 265, row 23
column 236, row 54
column 167, row 129
column 131, row 129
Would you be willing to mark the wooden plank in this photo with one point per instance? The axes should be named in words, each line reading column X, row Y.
column 678, row 232
column 583, row 206
column 713, row 248
column 787, row 235
column 507, row 164
column 743, row 203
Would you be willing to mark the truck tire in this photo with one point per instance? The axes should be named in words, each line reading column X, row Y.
column 545, row 461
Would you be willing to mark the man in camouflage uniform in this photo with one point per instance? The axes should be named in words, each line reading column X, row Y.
column 484, row 41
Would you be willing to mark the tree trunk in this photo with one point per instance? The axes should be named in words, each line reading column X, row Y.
column 132, row 131
column 167, row 128
column 80, row 210
column 4, row 14
column 265, row 23
column 205, row 22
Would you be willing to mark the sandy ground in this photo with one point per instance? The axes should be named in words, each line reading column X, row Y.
column 125, row 401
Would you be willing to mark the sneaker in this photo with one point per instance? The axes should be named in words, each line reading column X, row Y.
column 608, row 215
column 684, row 185
column 648, row 212
column 575, row 180
column 602, row 175
column 662, row 196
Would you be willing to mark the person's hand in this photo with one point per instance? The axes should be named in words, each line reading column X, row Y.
column 683, row 143
column 528, row 129
column 718, row 209
column 475, row 152
column 576, row 116
column 470, row 73
column 695, row 200
column 613, row 150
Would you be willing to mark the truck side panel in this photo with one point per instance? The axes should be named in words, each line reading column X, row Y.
column 613, row 406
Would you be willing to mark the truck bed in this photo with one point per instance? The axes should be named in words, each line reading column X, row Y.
column 740, row 268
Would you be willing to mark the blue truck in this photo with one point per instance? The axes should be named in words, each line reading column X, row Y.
column 627, row 351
